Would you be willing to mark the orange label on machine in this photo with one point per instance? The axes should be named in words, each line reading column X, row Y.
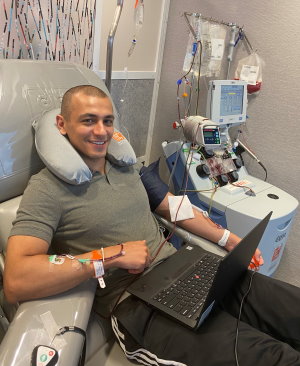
column 118, row 136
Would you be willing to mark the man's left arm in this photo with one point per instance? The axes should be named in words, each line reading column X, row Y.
column 199, row 225
column 203, row 226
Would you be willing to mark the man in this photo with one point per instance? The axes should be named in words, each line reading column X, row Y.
column 108, row 218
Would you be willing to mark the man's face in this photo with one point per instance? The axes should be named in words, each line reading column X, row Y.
column 89, row 128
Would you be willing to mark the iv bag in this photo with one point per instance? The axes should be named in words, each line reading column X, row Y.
column 212, row 38
column 192, row 48
column 139, row 16
column 206, row 49
column 217, row 38
column 138, row 20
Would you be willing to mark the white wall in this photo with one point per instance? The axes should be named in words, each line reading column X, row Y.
column 273, row 127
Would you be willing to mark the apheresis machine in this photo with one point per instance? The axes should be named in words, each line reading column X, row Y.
column 208, row 167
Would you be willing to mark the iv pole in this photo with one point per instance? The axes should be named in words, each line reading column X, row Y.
column 110, row 41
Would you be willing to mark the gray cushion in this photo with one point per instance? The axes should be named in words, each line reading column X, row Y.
column 63, row 160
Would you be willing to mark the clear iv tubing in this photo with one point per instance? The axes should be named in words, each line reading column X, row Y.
column 253, row 156
column 120, row 112
column 248, row 150
column 139, row 20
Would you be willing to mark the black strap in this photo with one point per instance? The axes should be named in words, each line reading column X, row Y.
column 80, row 331
column 81, row 361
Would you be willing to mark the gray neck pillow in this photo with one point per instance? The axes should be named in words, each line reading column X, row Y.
column 63, row 160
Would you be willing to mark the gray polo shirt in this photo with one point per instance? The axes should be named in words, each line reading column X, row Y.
column 111, row 209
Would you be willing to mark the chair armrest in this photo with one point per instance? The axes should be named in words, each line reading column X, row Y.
column 188, row 237
column 8, row 212
column 28, row 330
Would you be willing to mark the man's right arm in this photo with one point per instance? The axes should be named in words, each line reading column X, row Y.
column 28, row 273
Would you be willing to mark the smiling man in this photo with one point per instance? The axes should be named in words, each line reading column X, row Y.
column 108, row 220
column 88, row 124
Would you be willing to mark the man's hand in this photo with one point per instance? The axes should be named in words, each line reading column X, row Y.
column 136, row 258
column 257, row 260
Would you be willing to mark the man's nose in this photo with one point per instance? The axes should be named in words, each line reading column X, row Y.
column 99, row 128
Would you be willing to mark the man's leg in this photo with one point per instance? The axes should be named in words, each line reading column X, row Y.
column 156, row 340
column 272, row 306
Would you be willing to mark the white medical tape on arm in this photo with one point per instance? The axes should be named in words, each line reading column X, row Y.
column 205, row 213
column 222, row 242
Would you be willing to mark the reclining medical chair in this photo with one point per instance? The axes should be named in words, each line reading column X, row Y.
column 30, row 93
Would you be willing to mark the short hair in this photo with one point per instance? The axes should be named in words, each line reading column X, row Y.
column 88, row 90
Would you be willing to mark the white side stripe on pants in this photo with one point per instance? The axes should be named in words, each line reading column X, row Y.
column 141, row 355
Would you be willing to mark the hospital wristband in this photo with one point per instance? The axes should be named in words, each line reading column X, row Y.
column 99, row 272
column 222, row 242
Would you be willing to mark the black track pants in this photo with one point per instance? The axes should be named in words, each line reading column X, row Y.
column 269, row 330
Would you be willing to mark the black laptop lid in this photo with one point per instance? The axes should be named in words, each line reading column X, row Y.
column 236, row 262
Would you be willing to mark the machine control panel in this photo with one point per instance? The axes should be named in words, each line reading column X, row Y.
column 211, row 136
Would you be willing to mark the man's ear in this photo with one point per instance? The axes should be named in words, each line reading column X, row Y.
column 60, row 123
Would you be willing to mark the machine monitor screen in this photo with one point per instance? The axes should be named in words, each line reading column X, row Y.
column 231, row 99
column 211, row 136
column 227, row 101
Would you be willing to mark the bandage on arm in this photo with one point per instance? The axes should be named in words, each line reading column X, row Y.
column 223, row 241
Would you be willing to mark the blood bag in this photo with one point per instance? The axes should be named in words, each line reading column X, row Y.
column 249, row 69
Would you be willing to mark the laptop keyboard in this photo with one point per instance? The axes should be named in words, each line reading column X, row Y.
column 188, row 293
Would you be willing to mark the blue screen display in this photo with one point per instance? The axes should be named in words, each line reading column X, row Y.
column 231, row 100
column 211, row 136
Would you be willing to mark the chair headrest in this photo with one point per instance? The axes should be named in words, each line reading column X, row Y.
column 28, row 89
column 63, row 160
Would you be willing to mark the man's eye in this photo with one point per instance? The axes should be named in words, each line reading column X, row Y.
column 88, row 121
column 108, row 122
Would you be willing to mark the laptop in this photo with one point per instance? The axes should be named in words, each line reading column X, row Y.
column 187, row 285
